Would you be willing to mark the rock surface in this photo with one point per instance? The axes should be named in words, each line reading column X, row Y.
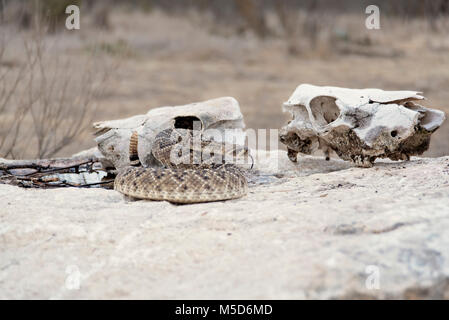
column 315, row 229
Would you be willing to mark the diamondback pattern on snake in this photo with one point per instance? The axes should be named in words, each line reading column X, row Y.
column 185, row 175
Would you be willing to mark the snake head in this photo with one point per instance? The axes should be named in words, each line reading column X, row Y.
column 186, row 148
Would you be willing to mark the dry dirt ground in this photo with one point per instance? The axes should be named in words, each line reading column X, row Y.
column 170, row 60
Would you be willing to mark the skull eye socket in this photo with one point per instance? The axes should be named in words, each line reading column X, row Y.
column 188, row 122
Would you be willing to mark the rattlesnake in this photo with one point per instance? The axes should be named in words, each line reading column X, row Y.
column 187, row 177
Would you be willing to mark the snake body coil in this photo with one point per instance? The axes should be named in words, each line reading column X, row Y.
column 186, row 179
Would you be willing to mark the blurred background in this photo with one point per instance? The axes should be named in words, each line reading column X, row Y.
column 131, row 56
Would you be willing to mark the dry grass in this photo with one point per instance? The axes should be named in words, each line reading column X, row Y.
column 176, row 59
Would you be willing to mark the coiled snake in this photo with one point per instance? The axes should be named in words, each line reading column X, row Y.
column 190, row 172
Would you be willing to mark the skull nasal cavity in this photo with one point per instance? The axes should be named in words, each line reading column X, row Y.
column 188, row 123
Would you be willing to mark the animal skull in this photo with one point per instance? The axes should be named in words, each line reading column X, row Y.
column 115, row 137
column 360, row 125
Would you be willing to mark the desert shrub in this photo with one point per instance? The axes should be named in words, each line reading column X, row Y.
column 46, row 100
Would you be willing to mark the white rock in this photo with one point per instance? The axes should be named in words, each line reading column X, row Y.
column 322, row 231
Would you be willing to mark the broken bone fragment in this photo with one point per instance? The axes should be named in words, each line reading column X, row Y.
column 359, row 125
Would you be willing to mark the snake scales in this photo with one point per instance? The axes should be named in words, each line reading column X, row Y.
column 184, row 177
